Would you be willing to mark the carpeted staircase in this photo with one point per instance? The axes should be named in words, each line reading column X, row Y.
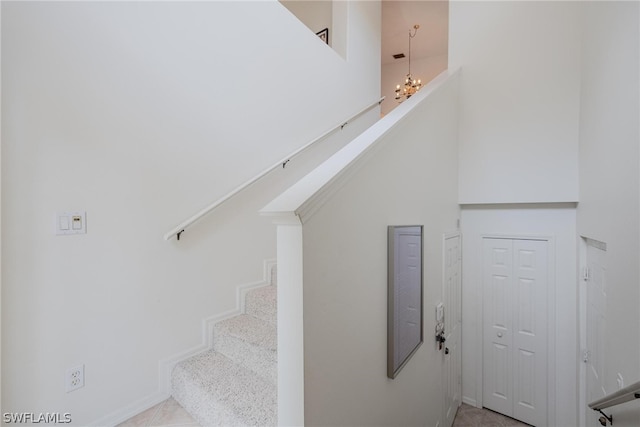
column 235, row 383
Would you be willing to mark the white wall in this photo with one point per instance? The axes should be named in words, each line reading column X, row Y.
column 609, row 179
column 519, row 91
column 141, row 114
column 409, row 178
column 394, row 74
column 558, row 222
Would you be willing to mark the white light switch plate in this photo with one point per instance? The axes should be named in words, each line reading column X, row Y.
column 71, row 223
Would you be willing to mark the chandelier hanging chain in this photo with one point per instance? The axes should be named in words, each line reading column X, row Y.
column 411, row 85
column 415, row 31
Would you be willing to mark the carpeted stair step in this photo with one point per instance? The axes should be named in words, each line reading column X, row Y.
column 261, row 303
column 249, row 342
column 218, row 392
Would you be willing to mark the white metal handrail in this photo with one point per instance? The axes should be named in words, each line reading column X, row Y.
column 623, row 395
column 179, row 229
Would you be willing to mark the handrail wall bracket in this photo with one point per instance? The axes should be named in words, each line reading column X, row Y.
column 604, row 418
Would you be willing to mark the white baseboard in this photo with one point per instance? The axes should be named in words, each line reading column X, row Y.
column 165, row 366
column 469, row 401
column 123, row 414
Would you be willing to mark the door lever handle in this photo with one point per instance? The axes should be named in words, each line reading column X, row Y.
column 440, row 339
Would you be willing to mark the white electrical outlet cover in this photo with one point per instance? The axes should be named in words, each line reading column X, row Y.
column 74, row 379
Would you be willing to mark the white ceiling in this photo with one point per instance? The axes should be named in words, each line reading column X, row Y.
column 399, row 16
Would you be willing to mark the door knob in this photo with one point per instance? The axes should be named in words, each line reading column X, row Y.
column 446, row 350
column 499, row 334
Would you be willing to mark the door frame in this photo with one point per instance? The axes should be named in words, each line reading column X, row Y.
column 445, row 237
column 551, row 320
column 583, row 263
column 582, row 330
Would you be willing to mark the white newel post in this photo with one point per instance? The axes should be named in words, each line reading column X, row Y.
column 290, row 322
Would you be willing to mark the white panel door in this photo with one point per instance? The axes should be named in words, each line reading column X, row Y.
column 515, row 328
column 595, row 328
column 452, row 326
column 497, row 329
column 530, row 331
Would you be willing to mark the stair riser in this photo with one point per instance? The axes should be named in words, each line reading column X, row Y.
column 270, row 318
column 220, row 393
column 261, row 303
column 260, row 360
column 194, row 400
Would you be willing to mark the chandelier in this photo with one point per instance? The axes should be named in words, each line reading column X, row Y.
column 410, row 85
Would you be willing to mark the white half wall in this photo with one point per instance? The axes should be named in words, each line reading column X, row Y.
column 519, row 97
column 408, row 178
column 557, row 222
column 610, row 181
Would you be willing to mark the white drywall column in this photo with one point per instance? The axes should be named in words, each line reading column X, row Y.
column 290, row 322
